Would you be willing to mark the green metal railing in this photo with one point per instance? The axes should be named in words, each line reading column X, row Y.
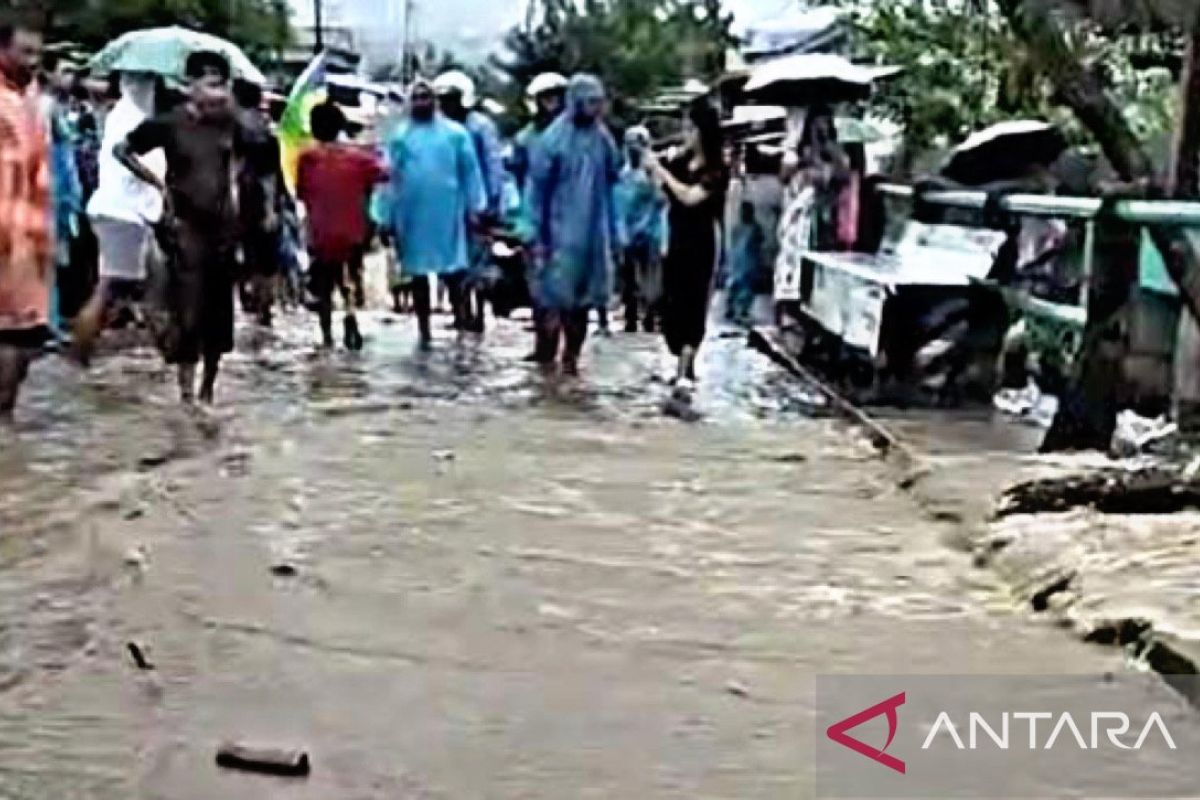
column 1088, row 211
column 1140, row 212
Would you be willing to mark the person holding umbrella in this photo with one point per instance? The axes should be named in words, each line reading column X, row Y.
column 201, row 139
column 123, row 209
column 815, row 171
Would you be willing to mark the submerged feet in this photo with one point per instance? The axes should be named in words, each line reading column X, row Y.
column 351, row 337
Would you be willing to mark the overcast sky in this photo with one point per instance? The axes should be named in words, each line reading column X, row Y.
column 467, row 26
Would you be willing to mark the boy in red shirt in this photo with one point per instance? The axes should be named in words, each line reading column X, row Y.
column 335, row 181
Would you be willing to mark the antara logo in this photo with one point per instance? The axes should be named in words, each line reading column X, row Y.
column 1113, row 724
column 1107, row 728
column 837, row 732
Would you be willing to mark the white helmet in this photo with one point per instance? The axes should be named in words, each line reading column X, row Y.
column 546, row 82
column 456, row 81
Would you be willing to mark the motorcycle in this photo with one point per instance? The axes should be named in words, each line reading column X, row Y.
column 501, row 280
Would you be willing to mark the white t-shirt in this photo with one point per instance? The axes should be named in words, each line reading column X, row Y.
column 121, row 195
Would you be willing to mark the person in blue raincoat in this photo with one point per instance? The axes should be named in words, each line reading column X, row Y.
column 457, row 99
column 545, row 97
column 436, row 192
column 641, row 216
column 745, row 265
column 573, row 171
column 66, row 189
column 545, row 94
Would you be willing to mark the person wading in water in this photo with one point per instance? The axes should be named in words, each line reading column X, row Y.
column 695, row 182
column 201, row 139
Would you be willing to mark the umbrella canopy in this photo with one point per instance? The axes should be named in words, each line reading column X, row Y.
column 164, row 51
column 1005, row 150
column 812, row 78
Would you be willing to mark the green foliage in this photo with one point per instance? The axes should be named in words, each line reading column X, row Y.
column 636, row 47
column 965, row 69
column 261, row 27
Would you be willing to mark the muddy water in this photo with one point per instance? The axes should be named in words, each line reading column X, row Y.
column 506, row 584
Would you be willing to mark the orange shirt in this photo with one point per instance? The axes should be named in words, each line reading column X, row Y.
column 26, row 252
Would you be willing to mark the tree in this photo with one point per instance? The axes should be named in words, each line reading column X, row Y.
column 1086, row 418
column 1120, row 77
column 261, row 27
column 966, row 67
column 635, row 46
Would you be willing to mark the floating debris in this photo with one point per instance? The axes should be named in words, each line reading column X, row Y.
column 269, row 760
column 137, row 558
column 138, row 656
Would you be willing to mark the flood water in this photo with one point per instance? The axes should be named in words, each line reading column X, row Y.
column 450, row 575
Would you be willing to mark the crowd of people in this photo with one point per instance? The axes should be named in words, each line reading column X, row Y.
column 122, row 187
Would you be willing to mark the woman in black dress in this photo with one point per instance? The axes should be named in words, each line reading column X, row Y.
column 695, row 182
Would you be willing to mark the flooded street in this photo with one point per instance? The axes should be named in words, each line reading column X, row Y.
column 448, row 575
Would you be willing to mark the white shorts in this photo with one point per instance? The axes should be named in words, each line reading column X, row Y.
column 123, row 248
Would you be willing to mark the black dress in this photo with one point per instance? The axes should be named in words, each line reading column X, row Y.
column 693, row 250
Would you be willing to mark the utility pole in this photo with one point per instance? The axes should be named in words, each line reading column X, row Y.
column 318, row 32
column 406, row 57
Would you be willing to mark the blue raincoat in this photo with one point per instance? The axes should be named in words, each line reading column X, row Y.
column 486, row 139
column 641, row 210
column 745, row 269
column 435, row 185
column 573, row 171
column 67, row 190
column 67, row 194
column 523, row 144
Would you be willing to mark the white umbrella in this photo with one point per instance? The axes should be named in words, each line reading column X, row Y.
column 1004, row 150
column 1013, row 127
column 164, row 51
column 811, row 78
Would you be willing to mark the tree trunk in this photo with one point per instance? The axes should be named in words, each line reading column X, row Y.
column 1184, row 182
column 1092, row 397
column 1184, row 177
column 1087, row 415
